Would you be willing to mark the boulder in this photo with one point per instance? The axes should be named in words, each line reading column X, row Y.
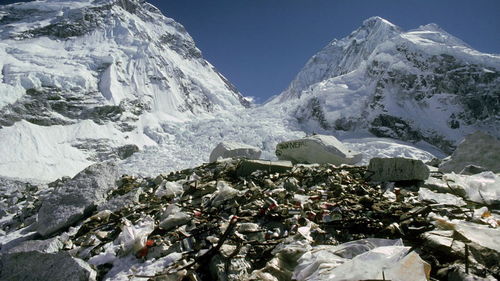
column 478, row 149
column 319, row 149
column 126, row 151
column 397, row 169
column 249, row 166
column 472, row 170
column 233, row 149
column 51, row 245
column 76, row 197
column 37, row 266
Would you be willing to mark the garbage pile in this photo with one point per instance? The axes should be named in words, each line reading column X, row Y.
column 273, row 221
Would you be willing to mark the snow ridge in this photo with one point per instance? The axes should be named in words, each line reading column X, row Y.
column 419, row 85
column 83, row 79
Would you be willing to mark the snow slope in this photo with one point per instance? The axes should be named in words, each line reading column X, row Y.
column 185, row 145
column 97, row 72
column 419, row 85
column 82, row 79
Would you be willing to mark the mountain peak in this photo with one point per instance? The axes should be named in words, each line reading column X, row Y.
column 376, row 26
column 342, row 56
column 373, row 21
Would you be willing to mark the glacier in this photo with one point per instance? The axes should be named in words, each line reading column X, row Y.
column 82, row 78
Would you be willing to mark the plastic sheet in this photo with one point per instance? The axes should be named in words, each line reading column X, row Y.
column 362, row 260
column 224, row 192
column 425, row 194
column 169, row 189
column 482, row 188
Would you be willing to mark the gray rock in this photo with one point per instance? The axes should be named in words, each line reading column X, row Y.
column 234, row 150
column 472, row 170
column 16, row 238
column 77, row 197
column 126, row 151
column 249, row 166
column 36, row 266
column 397, row 169
column 174, row 220
column 122, row 201
column 434, row 162
column 319, row 149
column 43, row 246
column 478, row 149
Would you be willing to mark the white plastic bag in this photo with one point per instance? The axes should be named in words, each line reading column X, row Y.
column 169, row 189
column 133, row 237
column 224, row 192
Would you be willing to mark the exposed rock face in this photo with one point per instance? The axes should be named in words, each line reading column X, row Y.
column 397, row 169
column 76, row 197
column 319, row 149
column 232, row 149
column 478, row 149
column 127, row 60
column 39, row 266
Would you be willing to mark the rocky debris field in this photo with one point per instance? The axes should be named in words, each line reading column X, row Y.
column 254, row 220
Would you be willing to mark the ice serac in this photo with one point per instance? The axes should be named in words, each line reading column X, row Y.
column 421, row 85
column 121, row 64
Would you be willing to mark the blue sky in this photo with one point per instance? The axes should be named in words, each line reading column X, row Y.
column 260, row 45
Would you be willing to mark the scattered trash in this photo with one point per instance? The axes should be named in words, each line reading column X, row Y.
column 366, row 259
column 247, row 167
column 241, row 219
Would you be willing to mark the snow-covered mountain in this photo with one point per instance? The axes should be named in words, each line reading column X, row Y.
column 90, row 80
column 419, row 85
column 82, row 78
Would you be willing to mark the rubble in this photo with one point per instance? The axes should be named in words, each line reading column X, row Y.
column 397, row 169
column 321, row 149
column 247, row 167
column 233, row 149
column 478, row 149
column 241, row 219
